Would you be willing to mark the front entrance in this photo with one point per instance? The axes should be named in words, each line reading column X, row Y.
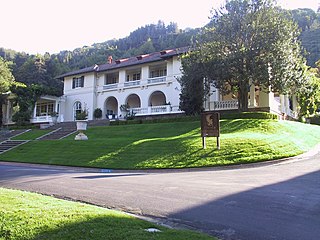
column 111, row 108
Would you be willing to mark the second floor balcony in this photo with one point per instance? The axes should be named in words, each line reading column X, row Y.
column 136, row 83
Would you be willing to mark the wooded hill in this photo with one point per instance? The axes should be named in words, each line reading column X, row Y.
column 42, row 69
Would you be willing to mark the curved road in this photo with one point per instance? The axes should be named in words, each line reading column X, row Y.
column 264, row 201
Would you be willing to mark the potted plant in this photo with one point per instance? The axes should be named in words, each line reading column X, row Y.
column 168, row 106
column 81, row 120
column 97, row 113
column 54, row 117
column 124, row 108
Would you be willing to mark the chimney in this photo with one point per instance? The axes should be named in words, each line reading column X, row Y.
column 109, row 59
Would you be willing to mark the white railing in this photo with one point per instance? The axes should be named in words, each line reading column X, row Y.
column 110, row 86
column 157, row 80
column 132, row 83
column 41, row 119
column 136, row 83
column 224, row 105
column 162, row 109
column 159, row 109
column 139, row 111
column 175, row 109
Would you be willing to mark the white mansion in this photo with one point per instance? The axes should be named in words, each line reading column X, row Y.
column 147, row 84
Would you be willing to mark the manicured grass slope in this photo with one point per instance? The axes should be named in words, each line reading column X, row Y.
column 173, row 145
column 31, row 135
column 26, row 215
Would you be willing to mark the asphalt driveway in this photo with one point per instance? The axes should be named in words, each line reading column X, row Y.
column 268, row 201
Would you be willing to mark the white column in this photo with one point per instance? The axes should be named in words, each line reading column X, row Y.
column 286, row 99
column 145, row 73
column 122, row 76
column 217, row 94
column 35, row 111
column 8, row 117
column 252, row 96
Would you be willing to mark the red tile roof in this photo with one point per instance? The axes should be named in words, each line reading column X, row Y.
column 132, row 61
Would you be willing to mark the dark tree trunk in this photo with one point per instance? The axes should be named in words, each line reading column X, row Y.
column 2, row 101
column 243, row 98
column 1, row 115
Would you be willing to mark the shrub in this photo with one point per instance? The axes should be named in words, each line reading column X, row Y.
column 22, row 118
column 97, row 113
column 244, row 115
column 82, row 115
column 249, row 115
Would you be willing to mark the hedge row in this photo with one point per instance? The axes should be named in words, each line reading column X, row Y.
column 249, row 115
column 244, row 115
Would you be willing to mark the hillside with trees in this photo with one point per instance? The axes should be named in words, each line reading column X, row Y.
column 309, row 23
column 42, row 69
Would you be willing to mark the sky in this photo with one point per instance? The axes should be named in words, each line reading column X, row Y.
column 39, row 26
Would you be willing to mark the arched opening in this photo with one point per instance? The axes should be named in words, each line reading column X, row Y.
column 133, row 101
column 157, row 98
column 111, row 108
column 77, row 107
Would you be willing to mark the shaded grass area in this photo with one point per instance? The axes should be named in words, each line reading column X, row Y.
column 26, row 215
column 173, row 145
column 31, row 135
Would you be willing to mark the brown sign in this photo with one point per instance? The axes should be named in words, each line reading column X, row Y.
column 210, row 126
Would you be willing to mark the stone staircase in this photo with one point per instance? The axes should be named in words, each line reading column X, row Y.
column 64, row 129
column 7, row 134
column 9, row 144
column 6, row 143
column 59, row 131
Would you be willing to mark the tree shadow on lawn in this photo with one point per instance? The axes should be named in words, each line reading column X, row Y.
column 182, row 153
column 112, row 227
column 236, row 125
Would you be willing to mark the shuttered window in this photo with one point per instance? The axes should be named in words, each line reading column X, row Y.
column 78, row 82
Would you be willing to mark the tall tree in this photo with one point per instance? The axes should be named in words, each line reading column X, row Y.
column 26, row 98
column 251, row 42
column 309, row 95
column 6, row 81
column 193, row 84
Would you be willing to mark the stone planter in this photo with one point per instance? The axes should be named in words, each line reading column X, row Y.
column 54, row 119
column 81, row 126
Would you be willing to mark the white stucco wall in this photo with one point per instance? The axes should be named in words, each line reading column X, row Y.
column 93, row 95
column 85, row 95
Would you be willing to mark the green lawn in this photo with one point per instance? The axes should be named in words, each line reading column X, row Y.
column 31, row 135
column 26, row 215
column 173, row 145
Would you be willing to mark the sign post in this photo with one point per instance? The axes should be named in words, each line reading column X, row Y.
column 210, row 127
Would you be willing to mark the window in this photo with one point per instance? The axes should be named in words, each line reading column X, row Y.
column 76, row 108
column 136, row 76
column 158, row 71
column 133, row 75
column 78, row 82
column 44, row 108
column 112, row 78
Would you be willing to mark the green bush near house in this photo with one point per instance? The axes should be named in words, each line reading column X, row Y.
column 243, row 115
column 97, row 114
